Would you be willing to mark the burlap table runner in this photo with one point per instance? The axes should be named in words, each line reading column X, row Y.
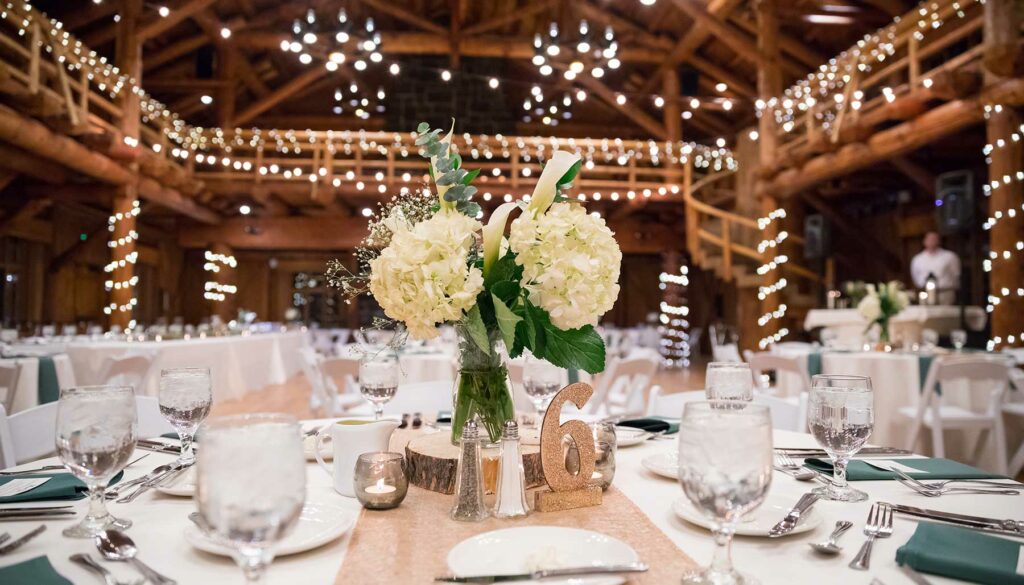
column 410, row 544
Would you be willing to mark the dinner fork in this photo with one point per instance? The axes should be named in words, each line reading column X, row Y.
column 879, row 525
column 938, row 485
column 932, row 492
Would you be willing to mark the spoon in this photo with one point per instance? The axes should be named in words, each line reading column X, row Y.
column 829, row 547
column 115, row 545
column 108, row 577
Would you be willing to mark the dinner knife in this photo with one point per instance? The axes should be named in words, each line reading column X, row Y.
column 546, row 574
column 1007, row 526
column 17, row 543
column 29, row 514
column 914, row 576
column 789, row 522
column 864, row 452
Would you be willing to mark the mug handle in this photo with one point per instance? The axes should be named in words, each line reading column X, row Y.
column 316, row 451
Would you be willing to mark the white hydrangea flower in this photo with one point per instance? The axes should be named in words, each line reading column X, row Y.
column 870, row 307
column 570, row 263
column 422, row 278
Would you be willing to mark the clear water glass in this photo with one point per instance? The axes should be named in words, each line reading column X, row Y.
column 378, row 379
column 959, row 338
column 96, row 434
column 541, row 381
column 929, row 339
column 725, row 468
column 185, row 397
column 729, row 381
column 251, row 485
column 841, row 416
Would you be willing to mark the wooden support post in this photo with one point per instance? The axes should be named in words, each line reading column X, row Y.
column 227, row 59
column 1006, row 234
column 672, row 116
column 35, row 45
column 914, row 65
column 225, row 276
column 769, row 84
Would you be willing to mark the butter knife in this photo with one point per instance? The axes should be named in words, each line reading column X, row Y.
column 17, row 543
column 1007, row 526
column 914, row 576
column 789, row 522
column 546, row 574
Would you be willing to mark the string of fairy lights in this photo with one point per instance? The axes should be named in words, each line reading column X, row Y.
column 1016, row 252
column 674, row 328
column 769, row 248
column 122, row 255
column 213, row 289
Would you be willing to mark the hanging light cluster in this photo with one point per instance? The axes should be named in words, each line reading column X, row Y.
column 213, row 290
column 342, row 44
column 361, row 106
column 599, row 54
column 674, row 328
column 550, row 111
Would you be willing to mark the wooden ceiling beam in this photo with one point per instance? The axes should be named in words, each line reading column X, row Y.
column 735, row 82
column 211, row 25
column 85, row 15
column 280, row 233
column 20, row 162
column 173, row 51
column 631, row 111
column 810, row 58
column 733, row 38
column 620, row 24
column 186, row 9
column 514, row 15
column 292, row 87
column 921, row 176
column 392, row 9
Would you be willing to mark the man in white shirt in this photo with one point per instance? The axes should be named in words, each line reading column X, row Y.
column 940, row 263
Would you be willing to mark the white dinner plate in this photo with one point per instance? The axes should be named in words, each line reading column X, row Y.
column 318, row 525
column 665, row 464
column 758, row 522
column 629, row 436
column 326, row 448
column 529, row 548
column 182, row 486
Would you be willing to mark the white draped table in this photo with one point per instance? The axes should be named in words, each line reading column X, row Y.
column 238, row 364
column 160, row 520
column 849, row 325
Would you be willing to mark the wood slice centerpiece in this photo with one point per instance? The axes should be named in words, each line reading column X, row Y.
column 433, row 463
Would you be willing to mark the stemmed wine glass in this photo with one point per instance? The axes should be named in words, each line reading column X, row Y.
column 959, row 338
column 251, row 485
column 96, row 434
column 729, row 381
column 541, row 381
column 378, row 379
column 185, row 399
column 725, row 468
column 841, row 416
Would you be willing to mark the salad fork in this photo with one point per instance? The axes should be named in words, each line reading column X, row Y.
column 879, row 525
column 934, row 492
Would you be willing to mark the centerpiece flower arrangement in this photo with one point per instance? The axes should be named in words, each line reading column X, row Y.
column 881, row 303
column 428, row 261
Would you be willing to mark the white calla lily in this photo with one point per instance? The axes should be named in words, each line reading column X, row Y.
column 547, row 184
column 493, row 233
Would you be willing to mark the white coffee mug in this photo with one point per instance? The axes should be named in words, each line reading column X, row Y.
column 350, row 439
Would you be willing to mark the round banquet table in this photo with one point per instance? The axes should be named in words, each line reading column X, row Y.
column 238, row 364
column 418, row 364
column 159, row 521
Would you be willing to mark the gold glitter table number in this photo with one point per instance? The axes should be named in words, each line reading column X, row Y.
column 566, row 491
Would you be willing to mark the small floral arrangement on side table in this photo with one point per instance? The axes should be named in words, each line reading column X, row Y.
column 881, row 303
column 429, row 261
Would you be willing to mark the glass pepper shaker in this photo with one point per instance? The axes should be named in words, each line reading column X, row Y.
column 469, row 482
column 511, row 501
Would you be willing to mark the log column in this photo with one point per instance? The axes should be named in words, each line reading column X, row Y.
column 1002, row 38
column 769, row 85
column 673, row 120
column 123, row 235
column 220, row 288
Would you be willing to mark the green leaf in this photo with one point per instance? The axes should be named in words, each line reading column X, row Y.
column 504, row 269
column 476, row 329
column 533, row 327
column 468, row 208
column 570, row 174
column 470, row 176
column 582, row 348
column 507, row 321
column 506, row 290
column 423, row 127
column 456, row 161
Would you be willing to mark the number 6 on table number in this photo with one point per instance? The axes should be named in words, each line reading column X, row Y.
column 567, row 491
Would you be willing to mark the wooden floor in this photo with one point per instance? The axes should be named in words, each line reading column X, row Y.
column 293, row 397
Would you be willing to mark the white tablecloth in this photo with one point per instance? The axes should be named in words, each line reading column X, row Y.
column 238, row 364
column 907, row 325
column 419, row 364
column 159, row 521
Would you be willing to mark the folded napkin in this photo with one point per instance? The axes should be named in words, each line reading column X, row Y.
column 859, row 470
column 962, row 553
column 60, row 486
column 37, row 571
column 653, row 424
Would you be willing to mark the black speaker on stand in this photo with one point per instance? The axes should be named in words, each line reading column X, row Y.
column 817, row 237
column 954, row 201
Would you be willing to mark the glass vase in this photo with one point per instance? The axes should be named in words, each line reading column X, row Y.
column 482, row 389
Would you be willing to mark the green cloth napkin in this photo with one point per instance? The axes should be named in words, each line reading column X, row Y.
column 814, row 363
column 37, row 571
column 653, row 424
column 858, row 470
column 61, row 486
column 48, row 390
column 962, row 553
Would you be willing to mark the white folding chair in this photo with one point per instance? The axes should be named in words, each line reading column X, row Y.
column 1015, row 406
column 10, row 373
column 938, row 417
column 764, row 362
column 126, row 370
column 341, row 375
column 788, row 414
column 29, row 434
column 623, row 386
column 728, row 352
column 671, row 405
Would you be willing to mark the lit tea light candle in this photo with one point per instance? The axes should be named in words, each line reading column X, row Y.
column 380, row 488
column 380, row 482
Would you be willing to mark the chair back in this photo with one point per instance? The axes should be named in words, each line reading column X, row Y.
column 310, row 362
column 728, row 352
column 974, row 370
column 29, row 434
column 788, row 414
column 65, row 371
column 671, row 405
column 340, row 374
column 623, row 386
column 126, row 370
column 764, row 362
column 10, row 373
